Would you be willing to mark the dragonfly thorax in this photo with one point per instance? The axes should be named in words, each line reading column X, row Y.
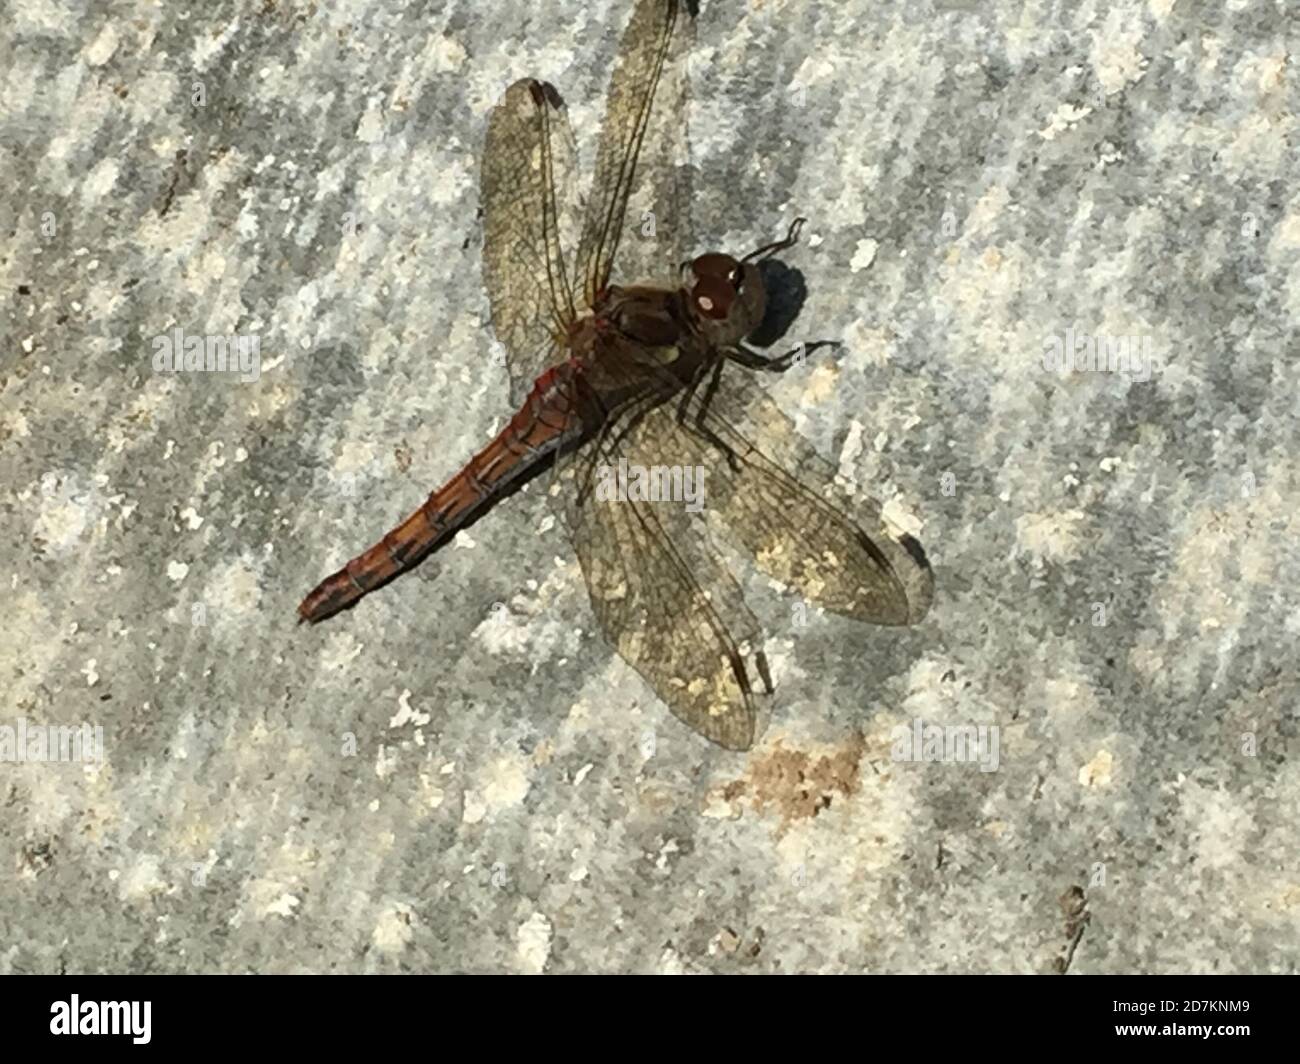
column 645, row 314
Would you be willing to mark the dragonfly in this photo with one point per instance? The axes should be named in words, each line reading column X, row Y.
column 648, row 376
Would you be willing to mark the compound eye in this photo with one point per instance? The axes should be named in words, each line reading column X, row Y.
column 718, row 266
column 713, row 297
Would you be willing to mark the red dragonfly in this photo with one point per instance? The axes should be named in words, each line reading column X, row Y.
column 652, row 376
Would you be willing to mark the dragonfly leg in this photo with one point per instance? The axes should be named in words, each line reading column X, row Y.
column 752, row 359
column 768, row 250
column 700, row 428
column 689, row 391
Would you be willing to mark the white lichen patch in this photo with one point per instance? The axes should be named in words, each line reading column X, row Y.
column 503, row 783
column 846, row 472
column 1099, row 772
column 821, row 383
column 1063, row 118
column 385, row 761
column 142, row 879
column 406, row 715
column 14, row 423
column 66, row 511
column 99, row 182
column 433, row 795
column 533, row 944
column 394, row 928
column 898, row 518
column 1053, row 536
column 1116, row 56
column 101, row 49
column 474, row 809
column 506, row 630
column 283, row 905
column 522, row 625
column 863, row 255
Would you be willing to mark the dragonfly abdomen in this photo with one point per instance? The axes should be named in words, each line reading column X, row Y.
column 547, row 420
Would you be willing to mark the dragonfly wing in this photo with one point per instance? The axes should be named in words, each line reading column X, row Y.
column 792, row 518
column 529, row 217
column 645, row 123
column 669, row 607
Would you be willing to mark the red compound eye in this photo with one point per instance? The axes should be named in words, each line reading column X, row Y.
column 717, row 267
column 713, row 297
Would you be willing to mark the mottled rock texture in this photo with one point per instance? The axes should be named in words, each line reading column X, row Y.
column 459, row 774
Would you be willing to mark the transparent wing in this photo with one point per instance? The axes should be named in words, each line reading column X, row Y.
column 662, row 599
column 529, row 216
column 792, row 518
column 645, row 123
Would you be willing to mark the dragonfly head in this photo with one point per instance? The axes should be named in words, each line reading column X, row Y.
column 725, row 296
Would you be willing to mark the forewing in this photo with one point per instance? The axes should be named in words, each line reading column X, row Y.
column 529, row 212
column 662, row 599
column 792, row 518
column 643, row 137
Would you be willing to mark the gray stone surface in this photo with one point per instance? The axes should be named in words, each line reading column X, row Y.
column 429, row 783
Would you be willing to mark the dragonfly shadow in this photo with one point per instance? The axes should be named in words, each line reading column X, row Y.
column 786, row 293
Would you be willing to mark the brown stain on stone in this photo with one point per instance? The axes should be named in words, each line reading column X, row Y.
column 799, row 784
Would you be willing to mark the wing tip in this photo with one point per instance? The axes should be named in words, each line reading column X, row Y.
column 544, row 94
column 920, row 589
